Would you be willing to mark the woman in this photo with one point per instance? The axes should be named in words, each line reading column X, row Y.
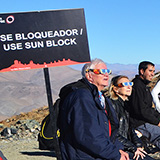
column 119, row 90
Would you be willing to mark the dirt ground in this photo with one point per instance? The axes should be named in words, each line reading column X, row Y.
column 25, row 150
column 28, row 150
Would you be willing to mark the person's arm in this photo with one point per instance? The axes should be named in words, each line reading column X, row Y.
column 128, row 145
column 87, row 122
column 155, row 92
column 135, row 139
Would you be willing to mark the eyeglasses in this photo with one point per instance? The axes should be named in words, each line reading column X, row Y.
column 100, row 71
column 125, row 84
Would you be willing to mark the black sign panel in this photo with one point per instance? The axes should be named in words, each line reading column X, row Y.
column 31, row 40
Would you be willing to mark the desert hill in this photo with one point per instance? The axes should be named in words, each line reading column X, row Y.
column 22, row 91
column 36, row 114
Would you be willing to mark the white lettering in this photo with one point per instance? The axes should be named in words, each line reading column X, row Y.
column 48, row 43
column 38, row 44
column 56, row 34
column 12, row 46
column 27, row 45
column 23, row 37
column 50, row 34
column 73, row 41
column 61, row 42
column 46, row 34
column 18, row 36
column 7, row 37
column 30, row 35
column 81, row 32
column 62, row 33
column 68, row 32
column 38, row 35
column 75, row 32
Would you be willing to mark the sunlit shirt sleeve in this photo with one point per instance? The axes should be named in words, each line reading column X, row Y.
column 155, row 92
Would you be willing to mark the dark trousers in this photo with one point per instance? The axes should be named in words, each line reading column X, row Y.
column 152, row 132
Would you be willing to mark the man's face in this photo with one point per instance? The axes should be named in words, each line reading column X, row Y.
column 100, row 80
column 149, row 73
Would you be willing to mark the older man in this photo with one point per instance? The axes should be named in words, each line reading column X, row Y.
column 84, row 125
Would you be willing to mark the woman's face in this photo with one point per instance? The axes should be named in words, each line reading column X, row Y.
column 123, row 91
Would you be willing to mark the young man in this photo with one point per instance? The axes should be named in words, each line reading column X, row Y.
column 84, row 126
column 144, row 118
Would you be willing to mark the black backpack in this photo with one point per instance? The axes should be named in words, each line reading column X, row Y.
column 49, row 133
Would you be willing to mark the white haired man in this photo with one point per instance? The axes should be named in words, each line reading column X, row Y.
column 84, row 125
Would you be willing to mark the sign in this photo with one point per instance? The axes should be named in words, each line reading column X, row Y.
column 30, row 40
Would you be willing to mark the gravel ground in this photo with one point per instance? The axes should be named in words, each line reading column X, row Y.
column 24, row 150
column 28, row 150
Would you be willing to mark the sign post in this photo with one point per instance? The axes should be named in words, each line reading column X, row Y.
column 51, row 110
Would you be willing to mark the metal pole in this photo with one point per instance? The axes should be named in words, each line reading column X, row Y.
column 51, row 111
column 48, row 89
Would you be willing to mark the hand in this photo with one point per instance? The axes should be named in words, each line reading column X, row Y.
column 139, row 153
column 124, row 155
column 159, row 124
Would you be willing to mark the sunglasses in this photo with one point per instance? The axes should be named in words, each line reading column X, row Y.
column 125, row 84
column 100, row 71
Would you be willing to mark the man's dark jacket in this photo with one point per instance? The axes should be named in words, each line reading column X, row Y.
column 140, row 104
column 84, row 125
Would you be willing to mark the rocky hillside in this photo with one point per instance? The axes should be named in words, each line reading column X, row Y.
column 24, row 125
column 18, row 136
column 36, row 114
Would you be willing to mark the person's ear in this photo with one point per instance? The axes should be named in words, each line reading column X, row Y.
column 115, row 89
column 89, row 77
column 86, row 75
column 141, row 71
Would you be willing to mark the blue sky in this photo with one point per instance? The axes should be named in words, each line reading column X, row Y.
column 119, row 31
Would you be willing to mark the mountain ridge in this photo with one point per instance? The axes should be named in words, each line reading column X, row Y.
column 22, row 91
